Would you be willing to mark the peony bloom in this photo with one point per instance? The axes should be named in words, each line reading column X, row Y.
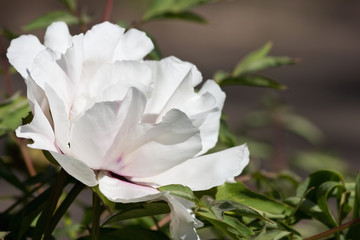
column 115, row 120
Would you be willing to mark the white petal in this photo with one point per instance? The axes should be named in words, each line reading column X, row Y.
column 112, row 81
column 185, row 99
column 49, row 76
column 22, row 52
column 45, row 70
column 57, row 37
column 93, row 133
column 183, row 222
column 204, row 172
column 168, row 74
column 39, row 130
column 100, row 42
column 35, row 94
column 203, row 108
column 76, row 168
column 72, row 64
column 209, row 129
column 60, row 118
column 117, row 190
column 129, row 115
column 134, row 45
column 169, row 143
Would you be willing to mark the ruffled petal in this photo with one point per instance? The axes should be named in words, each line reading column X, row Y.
column 203, row 108
column 134, row 45
column 52, row 79
column 94, row 134
column 112, row 81
column 128, row 122
column 60, row 118
column 76, row 168
column 71, row 64
column 183, row 221
column 100, row 42
column 185, row 99
column 57, row 37
column 40, row 129
column 203, row 172
column 45, row 70
column 168, row 74
column 118, row 190
column 162, row 147
column 22, row 52
column 209, row 128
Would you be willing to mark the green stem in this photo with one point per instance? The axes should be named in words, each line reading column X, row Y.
column 78, row 187
column 96, row 217
column 43, row 222
column 334, row 230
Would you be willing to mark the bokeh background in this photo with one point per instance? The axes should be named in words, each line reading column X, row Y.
column 325, row 35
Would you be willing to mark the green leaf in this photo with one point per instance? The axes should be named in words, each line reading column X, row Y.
column 187, row 16
column 354, row 231
column 129, row 233
column 276, row 234
column 64, row 206
column 7, row 174
column 356, row 211
column 11, row 112
column 3, row 234
column 155, row 54
column 323, row 193
column 239, row 193
column 219, row 207
column 43, row 223
column 303, row 128
column 225, row 134
column 21, row 221
column 47, row 19
column 311, row 209
column 314, row 160
column 180, row 191
column 237, row 208
column 70, row 4
column 50, row 158
column 219, row 76
column 315, row 203
column 252, row 57
column 122, row 24
column 107, row 202
column 160, row 7
column 258, row 60
column 252, row 81
column 229, row 225
column 262, row 64
column 315, row 180
column 10, row 35
column 138, row 210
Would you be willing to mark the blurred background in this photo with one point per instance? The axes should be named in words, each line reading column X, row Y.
column 325, row 35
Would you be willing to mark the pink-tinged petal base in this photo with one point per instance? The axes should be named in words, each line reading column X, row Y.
column 118, row 190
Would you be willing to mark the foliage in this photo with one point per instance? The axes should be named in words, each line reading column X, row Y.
column 260, row 205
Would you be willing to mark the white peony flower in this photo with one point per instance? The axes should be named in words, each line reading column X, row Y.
column 130, row 126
